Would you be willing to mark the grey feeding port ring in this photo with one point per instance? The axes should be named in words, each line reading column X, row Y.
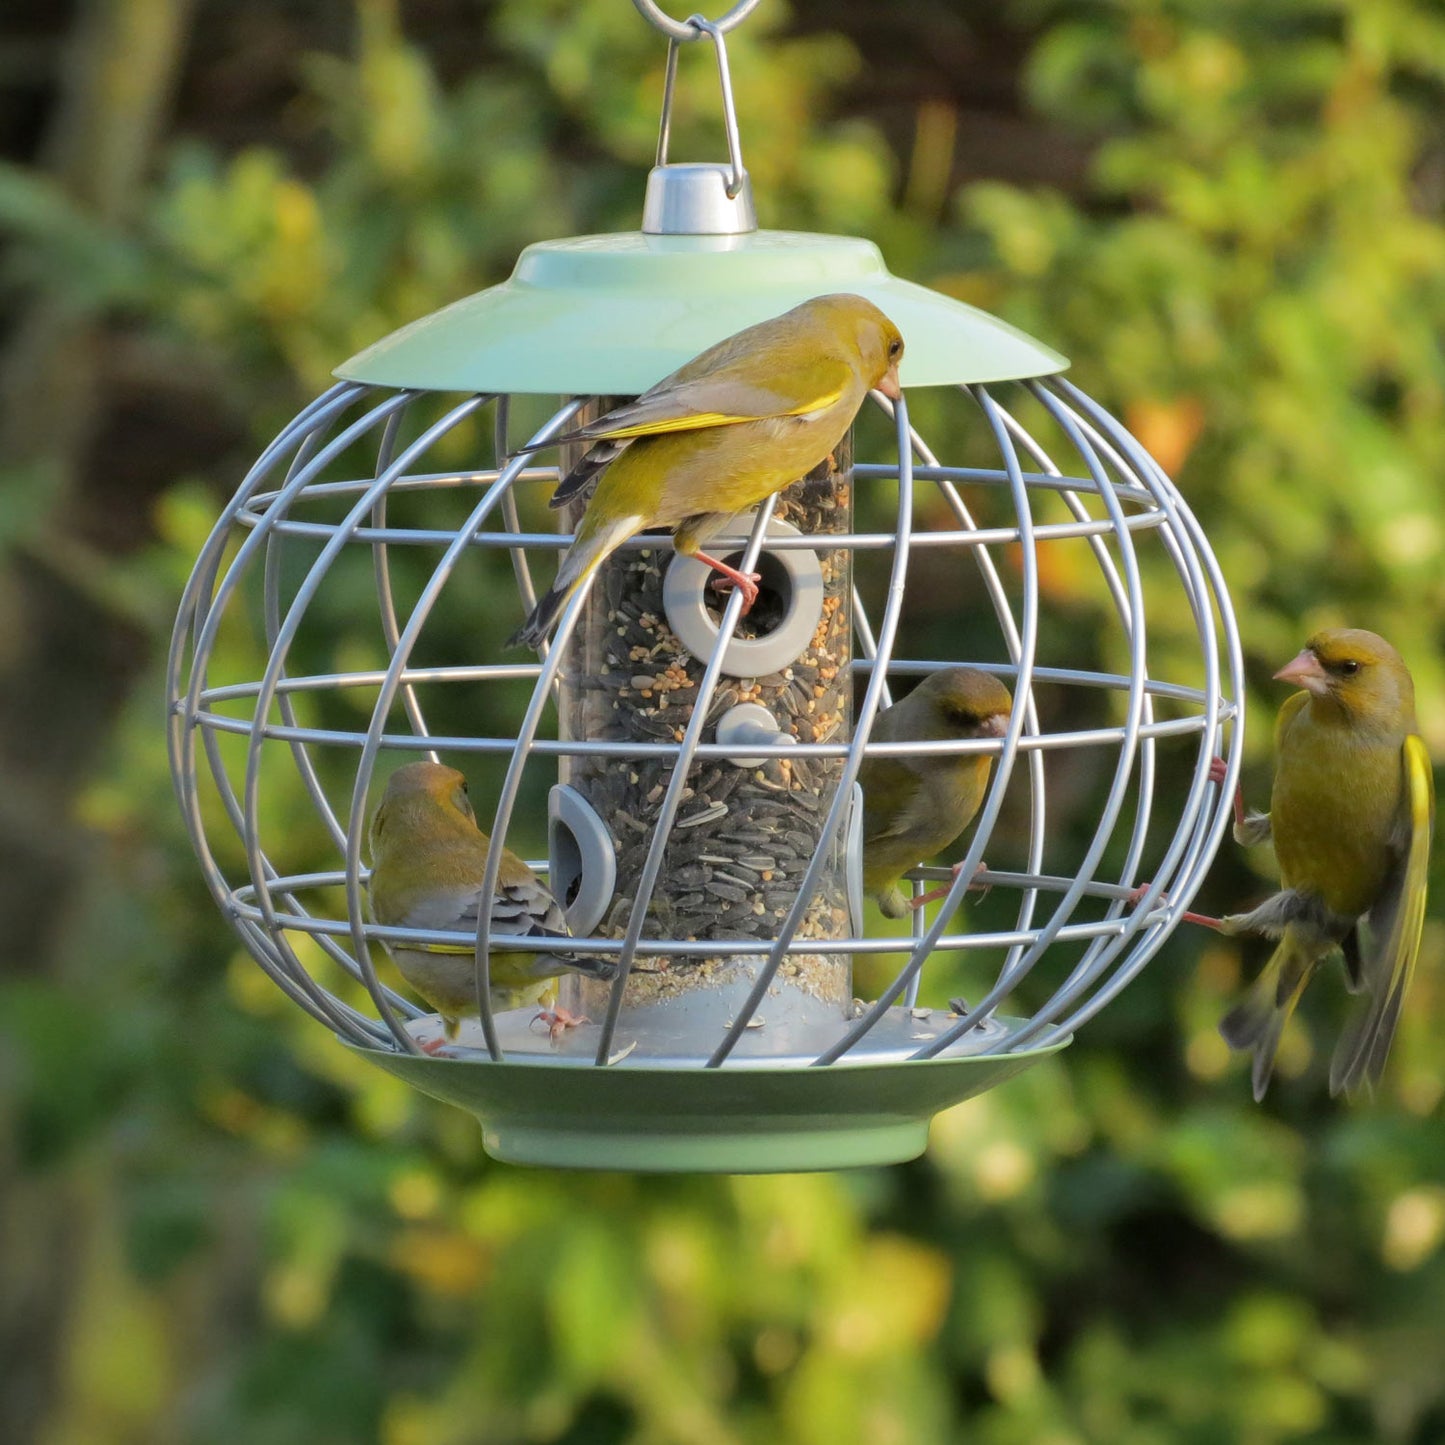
column 793, row 576
column 582, row 865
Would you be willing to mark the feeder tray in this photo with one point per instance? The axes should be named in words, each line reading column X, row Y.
column 767, row 1112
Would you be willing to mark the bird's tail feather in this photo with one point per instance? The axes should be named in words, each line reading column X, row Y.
column 541, row 619
column 576, row 482
column 584, row 556
column 1257, row 1021
column 600, row 968
column 1360, row 1055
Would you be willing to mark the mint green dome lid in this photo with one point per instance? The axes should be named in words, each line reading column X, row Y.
column 613, row 314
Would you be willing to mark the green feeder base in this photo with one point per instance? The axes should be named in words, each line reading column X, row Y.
column 744, row 1119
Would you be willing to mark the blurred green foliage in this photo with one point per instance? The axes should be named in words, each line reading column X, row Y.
column 273, row 1242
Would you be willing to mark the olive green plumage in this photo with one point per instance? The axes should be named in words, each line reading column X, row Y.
column 1351, row 816
column 915, row 807
column 727, row 430
column 428, row 859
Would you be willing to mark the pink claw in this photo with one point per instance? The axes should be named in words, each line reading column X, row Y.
column 558, row 1021
column 934, row 894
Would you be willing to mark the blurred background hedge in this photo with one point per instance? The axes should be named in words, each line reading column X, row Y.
column 215, row 1225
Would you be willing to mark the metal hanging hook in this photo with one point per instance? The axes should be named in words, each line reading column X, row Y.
column 695, row 27
column 685, row 30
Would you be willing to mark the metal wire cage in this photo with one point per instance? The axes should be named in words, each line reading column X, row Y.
column 701, row 772
column 1073, row 927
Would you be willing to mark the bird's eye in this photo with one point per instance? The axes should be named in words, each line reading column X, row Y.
column 895, row 348
column 1349, row 667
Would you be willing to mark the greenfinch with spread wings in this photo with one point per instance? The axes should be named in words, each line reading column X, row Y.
column 915, row 807
column 428, row 860
column 721, row 434
column 1351, row 816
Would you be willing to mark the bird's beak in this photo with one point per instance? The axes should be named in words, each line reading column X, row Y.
column 890, row 386
column 994, row 726
column 1305, row 671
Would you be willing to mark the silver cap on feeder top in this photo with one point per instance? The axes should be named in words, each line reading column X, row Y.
column 694, row 200
column 699, row 198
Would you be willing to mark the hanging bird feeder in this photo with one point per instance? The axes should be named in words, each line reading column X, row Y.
column 704, row 817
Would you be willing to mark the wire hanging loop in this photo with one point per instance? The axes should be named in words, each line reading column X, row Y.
column 685, row 30
column 692, row 29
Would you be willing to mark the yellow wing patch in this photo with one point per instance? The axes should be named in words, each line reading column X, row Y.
column 692, row 422
column 697, row 421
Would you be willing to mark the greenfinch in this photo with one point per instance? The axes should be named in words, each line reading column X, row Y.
column 721, row 434
column 914, row 807
column 428, row 858
column 1351, row 815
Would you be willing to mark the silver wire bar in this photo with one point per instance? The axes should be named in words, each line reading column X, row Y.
column 206, row 605
column 546, row 747
column 1003, row 770
column 406, row 641
column 285, row 636
column 672, row 798
column 385, row 596
column 1003, row 614
column 1132, row 619
column 1139, row 495
column 854, row 541
column 842, row 798
column 528, row 671
column 1197, row 562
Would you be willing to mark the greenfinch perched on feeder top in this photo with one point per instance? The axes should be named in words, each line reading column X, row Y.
column 914, row 807
column 428, row 858
column 1351, row 816
column 721, row 434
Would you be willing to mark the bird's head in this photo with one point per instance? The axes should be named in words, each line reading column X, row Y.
column 966, row 703
column 419, row 788
column 1356, row 670
column 879, row 341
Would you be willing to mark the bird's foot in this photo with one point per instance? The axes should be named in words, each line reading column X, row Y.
column 745, row 582
column 934, row 894
column 437, row 1048
column 1202, row 919
column 558, row 1020
column 1218, row 771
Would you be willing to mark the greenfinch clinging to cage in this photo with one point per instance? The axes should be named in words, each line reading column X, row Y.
column 721, row 434
column 1351, row 816
column 914, row 807
column 428, row 858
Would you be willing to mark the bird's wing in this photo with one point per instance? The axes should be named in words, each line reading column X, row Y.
column 907, row 796
column 524, row 904
column 441, row 908
column 1288, row 712
column 811, row 384
column 576, row 481
column 520, row 906
column 1396, row 923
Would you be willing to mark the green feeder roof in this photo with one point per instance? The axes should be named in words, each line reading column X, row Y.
column 614, row 314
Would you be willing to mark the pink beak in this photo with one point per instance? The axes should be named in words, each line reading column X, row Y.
column 1304, row 671
column 890, row 386
column 994, row 726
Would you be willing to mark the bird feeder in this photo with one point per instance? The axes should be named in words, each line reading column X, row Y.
column 700, row 767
